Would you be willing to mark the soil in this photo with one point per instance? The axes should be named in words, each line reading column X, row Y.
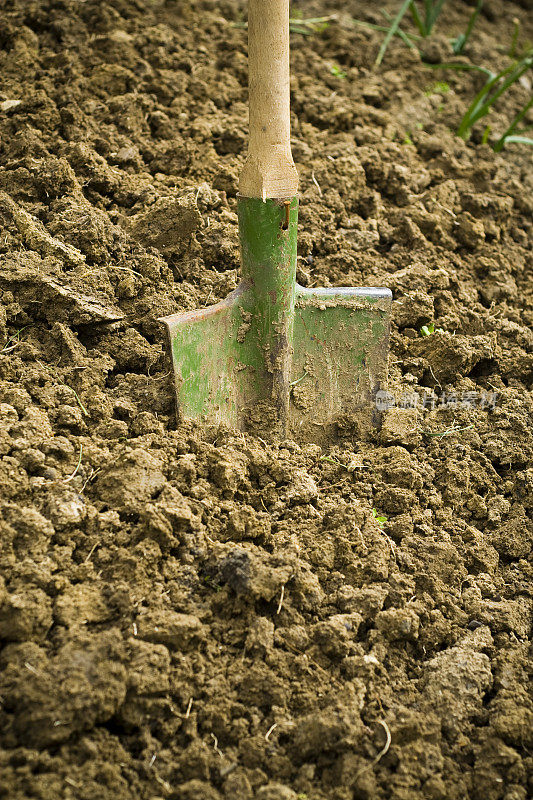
column 195, row 615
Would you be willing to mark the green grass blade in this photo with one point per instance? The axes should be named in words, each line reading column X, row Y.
column 294, row 27
column 308, row 26
column 519, row 140
column 514, row 40
column 515, row 75
column 427, row 14
column 433, row 9
column 399, row 32
column 418, row 20
column 486, row 97
column 459, row 43
column 511, row 130
column 392, row 30
column 361, row 23
column 461, row 67
column 468, row 120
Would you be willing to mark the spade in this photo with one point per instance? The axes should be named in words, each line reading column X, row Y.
column 274, row 357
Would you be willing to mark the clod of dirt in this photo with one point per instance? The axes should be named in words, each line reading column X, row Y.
column 401, row 426
column 245, row 523
column 149, row 668
column 176, row 631
column 66, row 509
column 133, row 478
column 413, row 310
column 167, row 225
column 81, row 604
column 452, row 356
column 25, row 530
column 335, row 635
column 456, row 681
column 25, row 617
column 33, row 281
column 173, row 522
column 35, row 236
column 77, row 221
column 469, row 231
column 275, row 791
column 398, row 624
column 46, row 700
column 249, row 573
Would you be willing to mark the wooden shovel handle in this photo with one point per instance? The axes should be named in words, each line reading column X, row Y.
column 269, row 171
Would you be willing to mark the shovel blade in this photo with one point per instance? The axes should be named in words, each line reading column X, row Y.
column 339, row 350
column 204, row 351
column 339, row 360
column 219, row 365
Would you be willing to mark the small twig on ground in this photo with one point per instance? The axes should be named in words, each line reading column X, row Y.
column 270, row 730
column 448, row 431
column 73, row 475
column 281, row 599
column 391, row 543
column 129, row 269
column 189, row 706
column 316, row 183
column 228, row 770
column 215, row 745
column 434, row 377
column 87, row 479
column 382, row 752
column 91, row 551
column 8, row 347
column 165, row 784
column 386, row 746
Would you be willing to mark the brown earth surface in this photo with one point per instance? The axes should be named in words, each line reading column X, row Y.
column 200, row 616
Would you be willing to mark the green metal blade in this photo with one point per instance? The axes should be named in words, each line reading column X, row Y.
column 339, row 361
column 273, row 357
column 205, row 353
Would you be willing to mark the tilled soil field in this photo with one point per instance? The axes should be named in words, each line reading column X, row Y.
column 199, row 615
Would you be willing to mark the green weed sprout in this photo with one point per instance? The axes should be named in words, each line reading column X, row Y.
column 381, row 519
column 512, row 134
column 458, row 44
column 439, row 87
column 428, row 330
column 496, row 85
column 426, row 22
column 408, row 38
column 393, row 30
column 308, row 26
column 425, row 14
column 424, row 19
column 337, row 71
column 514, row 38
column 514, row 51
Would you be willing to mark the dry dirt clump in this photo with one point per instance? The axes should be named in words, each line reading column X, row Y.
column 199, row 616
